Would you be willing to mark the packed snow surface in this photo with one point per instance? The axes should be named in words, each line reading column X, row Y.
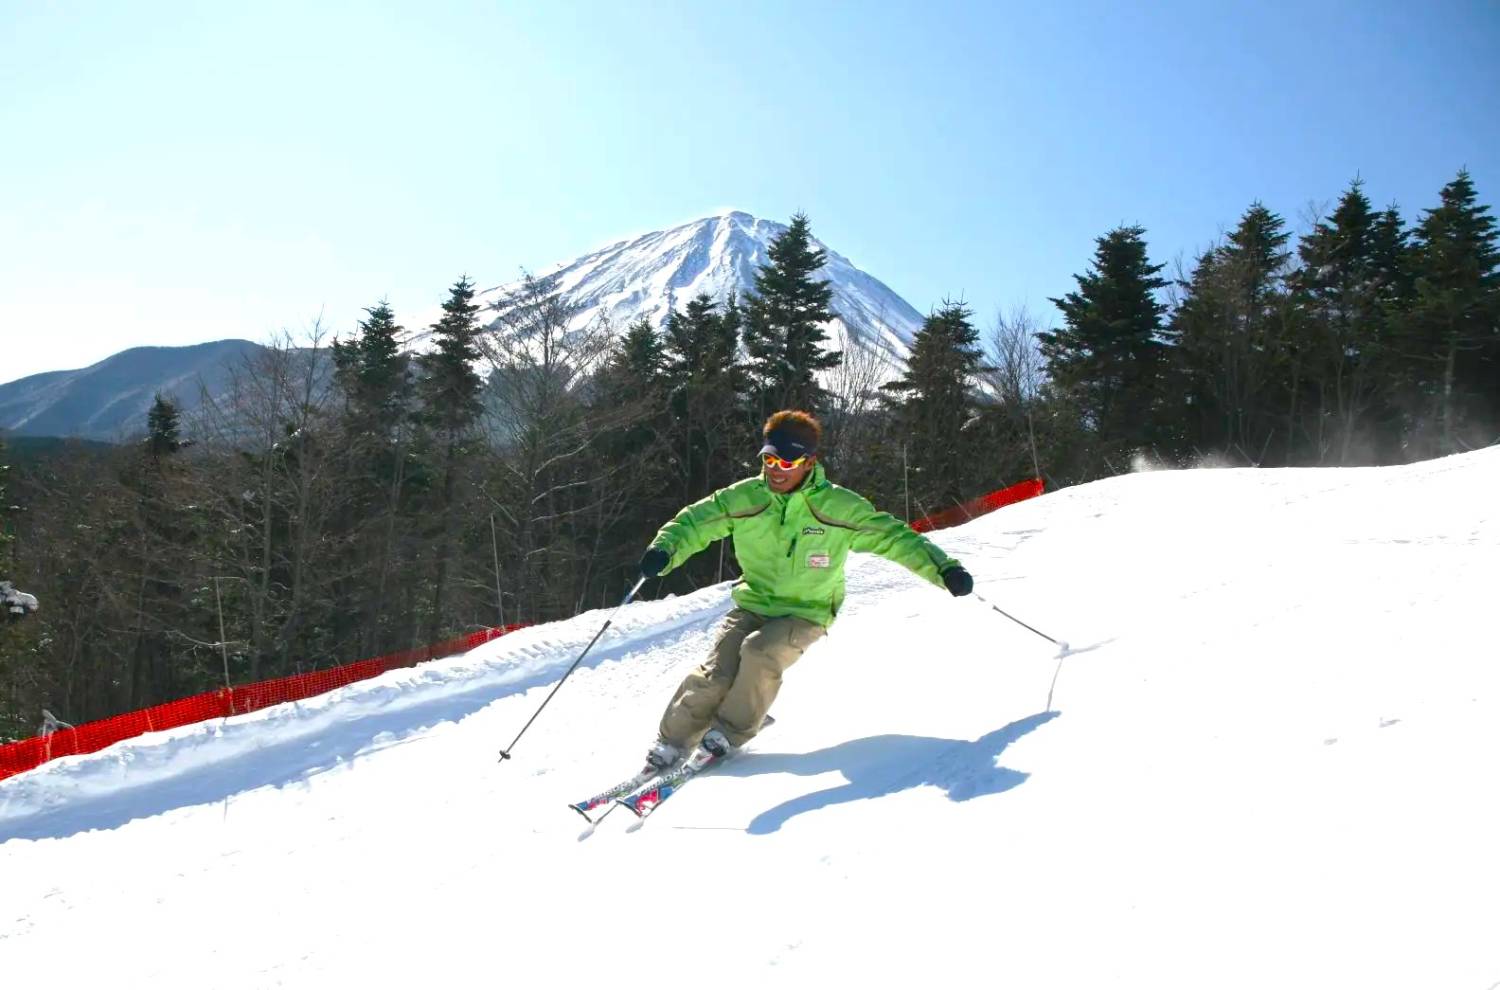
column 1268, row 760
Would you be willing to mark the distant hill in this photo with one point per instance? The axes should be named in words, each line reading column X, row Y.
column 109, row 401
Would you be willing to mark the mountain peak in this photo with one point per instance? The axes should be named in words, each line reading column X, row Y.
column 651, row 275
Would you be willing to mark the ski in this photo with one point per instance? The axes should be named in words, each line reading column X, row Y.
column 646, row 798
column 621, row 789
column 643, row 792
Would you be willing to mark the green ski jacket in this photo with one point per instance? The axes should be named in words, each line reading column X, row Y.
column 792, row 547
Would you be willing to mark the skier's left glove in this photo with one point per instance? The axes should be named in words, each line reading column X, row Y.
column 654, row 562
column 958, row 580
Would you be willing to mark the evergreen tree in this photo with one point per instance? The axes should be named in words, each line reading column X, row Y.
column 784, row 320
column 1343, row 341
column 448, row 388
column 161, row 531
column 638, row 362
column 1109, row 357
column 632, row 386
column 709, row 428
column 628, row 399
column 374, row 378
column 372, row 373
column 1231, row 328
column 1391, row 262
column 936, row 406
column 1454, row 320
column 163, row 430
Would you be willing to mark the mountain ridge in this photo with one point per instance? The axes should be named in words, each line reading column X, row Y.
column 109, row 400
column 647, row 275
column 654, row 273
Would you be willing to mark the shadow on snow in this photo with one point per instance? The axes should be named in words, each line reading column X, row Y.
column 879, row 765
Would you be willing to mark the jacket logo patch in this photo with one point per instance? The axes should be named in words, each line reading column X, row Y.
column 817, row 560
column 814, row 531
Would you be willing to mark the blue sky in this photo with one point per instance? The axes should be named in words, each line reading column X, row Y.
column 175, row 172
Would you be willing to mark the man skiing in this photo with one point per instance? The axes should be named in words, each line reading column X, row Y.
column 792, row 529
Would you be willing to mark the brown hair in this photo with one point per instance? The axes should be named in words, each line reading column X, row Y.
column 799, row 423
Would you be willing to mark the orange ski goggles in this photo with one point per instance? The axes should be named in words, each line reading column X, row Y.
column 781, row 463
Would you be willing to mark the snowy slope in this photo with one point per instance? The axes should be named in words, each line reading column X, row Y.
column 1269, row 762
column 652, row 274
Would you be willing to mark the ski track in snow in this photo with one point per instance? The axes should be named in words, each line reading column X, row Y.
column 1268, row 762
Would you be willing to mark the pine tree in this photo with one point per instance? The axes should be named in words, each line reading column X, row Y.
column 628, row 399
column 448, row 388
column 1109, row 357
column 709, row 428
column 373, row 373
column 162, row 532
column 1343, row 285
column 375, row 380
column 163, row 429
column 1455, row 316
column 784, row 320
column 630, row 393
column 638, row 362
column 936, row 406
column 1230, row 331
column 1391, row 260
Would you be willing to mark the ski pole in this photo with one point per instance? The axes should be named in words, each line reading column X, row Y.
column 1062, row 645
column 505, row 753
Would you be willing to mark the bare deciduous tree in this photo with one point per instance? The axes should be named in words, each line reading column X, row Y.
column 1014, row 373
column 536, row 417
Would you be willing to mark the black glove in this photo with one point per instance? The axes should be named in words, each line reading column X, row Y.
column 654, row 562
column 959, row 581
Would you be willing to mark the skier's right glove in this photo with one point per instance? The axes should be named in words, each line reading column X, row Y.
column 958, row 581
column 654, row 562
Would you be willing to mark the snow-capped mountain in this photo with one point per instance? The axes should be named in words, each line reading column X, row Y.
column 652, row 274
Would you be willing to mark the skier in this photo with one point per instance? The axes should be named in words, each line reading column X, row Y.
column 792, row 529
column 16, row 603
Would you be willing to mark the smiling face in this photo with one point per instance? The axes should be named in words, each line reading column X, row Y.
column 782, row 480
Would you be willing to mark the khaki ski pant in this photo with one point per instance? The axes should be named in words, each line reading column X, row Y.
column 733, row 689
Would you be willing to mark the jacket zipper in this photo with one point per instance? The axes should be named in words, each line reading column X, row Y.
column 785, row 506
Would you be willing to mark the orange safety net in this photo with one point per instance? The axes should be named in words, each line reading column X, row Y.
column 93, row 736
column 974, row 508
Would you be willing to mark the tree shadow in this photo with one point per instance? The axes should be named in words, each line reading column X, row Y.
column 880, row 765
